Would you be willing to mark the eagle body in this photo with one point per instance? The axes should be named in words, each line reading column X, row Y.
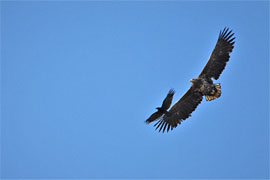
column 206, row 88
column 202, row 86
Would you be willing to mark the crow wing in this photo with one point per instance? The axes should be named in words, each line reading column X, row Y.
column 165, row 105
column 220, row 55
column 168, row 100
column 154, row 117
column 181, row 110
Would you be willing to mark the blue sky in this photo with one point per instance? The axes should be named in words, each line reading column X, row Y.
column 78, row 80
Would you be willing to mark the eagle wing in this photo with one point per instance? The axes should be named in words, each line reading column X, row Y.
column 181, row 110
column 220, row 55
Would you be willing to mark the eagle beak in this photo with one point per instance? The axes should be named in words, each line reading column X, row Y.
column 191, row 80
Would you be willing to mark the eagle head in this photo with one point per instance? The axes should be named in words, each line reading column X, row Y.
column 193, row 80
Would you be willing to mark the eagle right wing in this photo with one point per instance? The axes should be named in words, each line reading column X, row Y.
column 180, row 111
column 220, row 55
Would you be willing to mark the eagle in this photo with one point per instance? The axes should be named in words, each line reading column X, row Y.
column 201, row 86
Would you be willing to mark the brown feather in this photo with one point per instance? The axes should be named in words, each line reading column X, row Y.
column 181, row 110
column 220, row 55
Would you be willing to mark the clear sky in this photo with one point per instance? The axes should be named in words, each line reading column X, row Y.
column 78, row 80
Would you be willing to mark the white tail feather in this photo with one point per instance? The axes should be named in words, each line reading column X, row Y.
column 216, row 93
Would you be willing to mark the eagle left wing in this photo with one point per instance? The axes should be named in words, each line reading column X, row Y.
column 220, row 55
column 181, row 110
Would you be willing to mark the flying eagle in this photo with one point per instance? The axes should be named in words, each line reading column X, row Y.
column 201, row 86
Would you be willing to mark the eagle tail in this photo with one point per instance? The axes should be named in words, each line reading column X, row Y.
column 216, row 92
